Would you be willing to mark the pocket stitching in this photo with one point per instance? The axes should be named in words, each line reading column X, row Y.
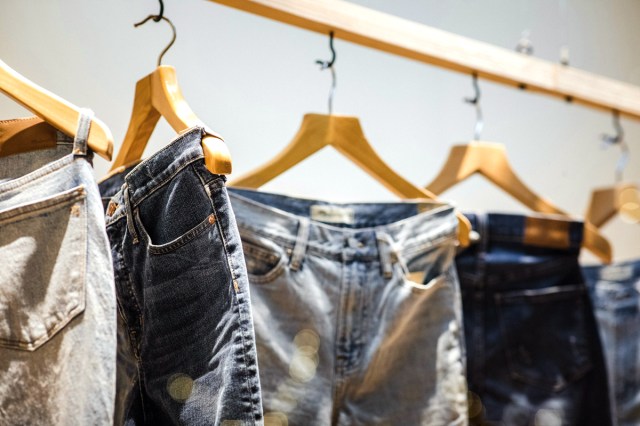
column 271, row 275
column 178, row 242
column 514, row 371
column 53, row 203
column 25, row 211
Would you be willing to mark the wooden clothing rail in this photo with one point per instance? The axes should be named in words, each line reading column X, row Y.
column 416, row 41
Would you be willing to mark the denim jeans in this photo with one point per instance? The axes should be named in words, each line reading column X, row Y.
column 187, row 350
column 110, row 184
column 534, row 355
column 615, row 292
column 357, row 310
column 57, row 302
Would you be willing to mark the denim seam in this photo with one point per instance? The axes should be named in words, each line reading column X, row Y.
column 520, row 239
column 158, row 185
column 335, row 255
column 26, row 211
column 175, row 244
column 270, row 275
column 79, row 307
column 537, row 271
column 240, row 298
column 31, row 178
column 169, row 145
column 127, row 277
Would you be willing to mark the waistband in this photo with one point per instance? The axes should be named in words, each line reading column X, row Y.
column 533, row 230
column 328, row 228
column 156, row 170
column 621, row 272
column 26, row 177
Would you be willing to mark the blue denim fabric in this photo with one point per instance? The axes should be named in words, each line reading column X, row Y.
column 110, row 184
column 57, row 301
column 615, row 292
column 187, row 353
column 357, row 310
column 533, row 352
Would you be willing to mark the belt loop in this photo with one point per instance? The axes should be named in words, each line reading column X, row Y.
column 82, row 132
column 385, row 247
column 483, row 246
column 129, row 212
column 300, row 247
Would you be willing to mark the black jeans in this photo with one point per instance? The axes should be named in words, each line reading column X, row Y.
column 533, row 350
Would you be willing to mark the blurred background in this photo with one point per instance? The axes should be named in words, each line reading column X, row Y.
column 252, row 80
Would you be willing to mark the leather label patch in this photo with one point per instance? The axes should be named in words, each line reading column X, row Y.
column 543, row 232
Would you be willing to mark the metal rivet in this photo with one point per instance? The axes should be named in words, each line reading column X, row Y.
column 111, row 208
column 75, row 210
column 212, row 219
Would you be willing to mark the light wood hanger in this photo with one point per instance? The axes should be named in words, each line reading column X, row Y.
column 54, row 110
column 490, row 160
column 607, row 202
column 158, row 94
column 345, row 135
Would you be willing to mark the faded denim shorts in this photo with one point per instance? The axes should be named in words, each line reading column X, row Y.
column 357, row 310
column 533, row 352
column 187, row 350
column 615, row 291
column 57, row 301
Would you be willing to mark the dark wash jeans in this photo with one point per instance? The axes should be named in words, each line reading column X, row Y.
column 533, row 352
column 187, row 350
column 615, row 291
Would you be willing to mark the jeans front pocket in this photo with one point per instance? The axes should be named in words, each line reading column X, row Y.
column 547, row 335
column 43, row 251
column 265, row 259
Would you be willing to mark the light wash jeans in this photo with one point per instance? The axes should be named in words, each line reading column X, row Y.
column 57, row 301
column 615, row 292
column 357, row 311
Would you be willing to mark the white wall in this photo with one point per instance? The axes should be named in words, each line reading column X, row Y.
column 252, row 79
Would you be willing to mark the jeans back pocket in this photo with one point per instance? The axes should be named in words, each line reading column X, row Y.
column 43, row 250
column 546, row 334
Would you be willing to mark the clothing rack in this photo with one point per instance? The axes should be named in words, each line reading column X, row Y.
column 420, row 42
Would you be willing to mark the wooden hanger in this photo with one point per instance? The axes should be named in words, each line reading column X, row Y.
column 490, row 160
column 623, row 198
column 345, row 135
column 54, row 110
column 607, row 202
column 158, row 94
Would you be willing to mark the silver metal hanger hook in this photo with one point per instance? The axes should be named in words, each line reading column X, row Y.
column 618, row 139
column 157, row 18
column 329, row 64
column 476, row 102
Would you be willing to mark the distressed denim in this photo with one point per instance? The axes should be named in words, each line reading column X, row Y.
column 57, row 301
column 615, row 292
column 187, row 350
column 533, row 352
column 357, row 310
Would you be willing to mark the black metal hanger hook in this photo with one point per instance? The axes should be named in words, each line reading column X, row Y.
column 329, row 65
column 475, row 101
column 618, row 139
column 157, row 18
column 160, row 15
